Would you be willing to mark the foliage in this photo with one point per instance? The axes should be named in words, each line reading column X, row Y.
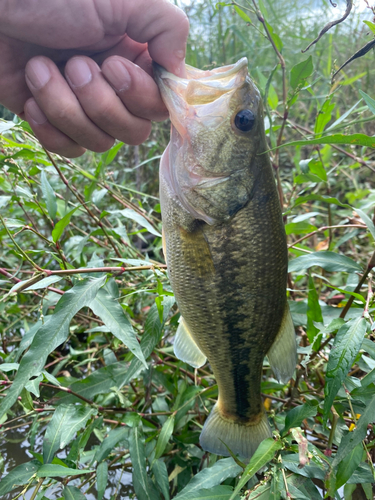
column 90, row 383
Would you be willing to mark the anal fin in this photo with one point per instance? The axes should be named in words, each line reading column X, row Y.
column 185, row 347
column 283, row 352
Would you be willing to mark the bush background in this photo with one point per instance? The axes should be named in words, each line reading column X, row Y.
column 93, row 413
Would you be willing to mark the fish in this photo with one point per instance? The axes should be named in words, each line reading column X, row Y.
column 225, row 247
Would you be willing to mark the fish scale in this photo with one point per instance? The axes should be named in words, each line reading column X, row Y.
column 227, row 256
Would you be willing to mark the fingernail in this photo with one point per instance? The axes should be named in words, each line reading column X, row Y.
column 117, row 75
column 78, row 72
column 35, row 113
column 37, row 73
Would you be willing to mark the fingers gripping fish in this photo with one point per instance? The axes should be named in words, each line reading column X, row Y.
column 225, row 247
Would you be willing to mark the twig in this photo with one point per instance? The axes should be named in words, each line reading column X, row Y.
column 327, row 27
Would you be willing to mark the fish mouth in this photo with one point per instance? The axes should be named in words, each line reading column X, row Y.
column 202, row 94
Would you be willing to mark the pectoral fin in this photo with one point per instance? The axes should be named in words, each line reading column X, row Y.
column 283, row 352
column 185, row 347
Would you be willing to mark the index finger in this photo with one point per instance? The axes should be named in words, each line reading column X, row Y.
column 159, row 23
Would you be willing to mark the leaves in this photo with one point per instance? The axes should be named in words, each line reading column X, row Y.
column 351, row 139
column 330, row 261
column 297, row 415
column 347, row 344
column 352, row 439
column 264, row 454
column 49, row 196
column 112, row 315
column 135, row 216
column 18, row 476
column 300, row 72
column 61, row 225
column 53, row 333
column 52, row 470
column 165, row 434
column 65, row 422
column 210, row 477
column 142, row 484
column 73, row 493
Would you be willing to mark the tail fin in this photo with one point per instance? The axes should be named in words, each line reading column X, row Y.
column 241, row 439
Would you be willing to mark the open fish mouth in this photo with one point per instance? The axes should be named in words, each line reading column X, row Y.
column 195, row 96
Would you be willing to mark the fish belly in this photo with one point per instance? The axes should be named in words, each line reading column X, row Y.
column 229, row 281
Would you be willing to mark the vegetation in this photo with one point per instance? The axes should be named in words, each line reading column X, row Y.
column 90, row 387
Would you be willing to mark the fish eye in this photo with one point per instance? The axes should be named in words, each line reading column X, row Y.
column 244, row 120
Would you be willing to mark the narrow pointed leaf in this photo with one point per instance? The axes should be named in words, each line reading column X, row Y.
column 351, row 139
column 113, row 316
column 110, row 442
column 209, row 478
column 49, row 196
column 165, row 434
column 161, row 477
column 295, row 417
column 347, row 344
column 264, row 454
column 137, row 451
column 53, row 333
column 300, row 72
column 349, row 465
column 366, row 219
column 61, row 225
column 330, row 261
column 352, row 439
column 65, row 422
column 136, row 217
column 52, row 470
column 18, row 476
column 101, row 479
column 73, row 493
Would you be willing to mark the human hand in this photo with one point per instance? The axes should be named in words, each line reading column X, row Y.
column 104, row 49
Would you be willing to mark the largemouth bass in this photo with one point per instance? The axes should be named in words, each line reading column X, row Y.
column 225, row 247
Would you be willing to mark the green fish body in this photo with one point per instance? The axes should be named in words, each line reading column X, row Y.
column 225, row 247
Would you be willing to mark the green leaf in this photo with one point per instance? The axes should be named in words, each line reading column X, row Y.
column 295, row 417
column 275, row 37
column 209, row 477
column 351, row 139
column 18, row 476
column 165, row 434
column 330, row 261
column 370, row 25
column 314, row 311
column 45, row 282
column 101, row 479
column 110, row 155
column 347, row 344
column 61, row 225
column 369, row 101
column 316, row 197
column 216, row 493
column 73, row 493
column 65, row 422
column 49, row 196
column 113, row 316
column 352, row 439
column 300, row 72
column 110, row 442
column 242, row 14
column 141, row 482
column 133, row 215
column 366, row 219
column 264, row 454
column 349, row 465
column 324, row 116
column 53, row 333
column 161, row 477
column 52, row 470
